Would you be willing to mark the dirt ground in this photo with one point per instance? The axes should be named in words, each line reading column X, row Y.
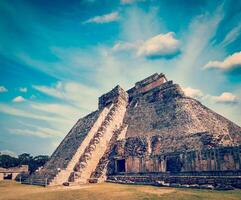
column 107, row 191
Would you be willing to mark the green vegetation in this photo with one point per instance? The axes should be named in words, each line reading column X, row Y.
column 106, row 191
column 7, row 161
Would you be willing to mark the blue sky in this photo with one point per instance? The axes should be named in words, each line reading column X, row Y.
column 58, row 57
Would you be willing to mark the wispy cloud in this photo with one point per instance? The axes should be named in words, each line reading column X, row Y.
column 10, row 110
column 18, row 99
column 23, row 89
column 196, row 42
column 3, row 89
column 231, row 62
column 57, row 119
column 124, row 2
column 73, row 93
column 125, row 46
column 77, row 100
column 36, row 131
column 62, row 110
column 231, row 36
column 102, row 19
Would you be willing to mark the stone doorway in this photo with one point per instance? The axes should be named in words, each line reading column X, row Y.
column 8, row 176
column 174, row 164
column 120, row 165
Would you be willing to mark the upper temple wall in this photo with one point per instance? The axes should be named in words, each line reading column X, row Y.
column 147, row 84
column 140, row 87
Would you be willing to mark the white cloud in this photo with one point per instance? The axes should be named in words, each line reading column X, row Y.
column 225, row 97
column 231, row 62
column 110, row 17
column 3, row 89
column 18, row 99
column 192, row 92
column 159, row 45
column 23, row 89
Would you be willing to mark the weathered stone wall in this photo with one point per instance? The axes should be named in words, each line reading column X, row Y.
column 135, row 153
column 147, row 84
column 180, row 122
column 213, row 159
column 13, row 171
column 19, row 169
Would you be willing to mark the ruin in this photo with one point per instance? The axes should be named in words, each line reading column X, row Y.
column 13, row 172
column 151, row 134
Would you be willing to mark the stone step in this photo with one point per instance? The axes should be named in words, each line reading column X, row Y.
column 93, row 180
column 91, row 149
column 104, row 160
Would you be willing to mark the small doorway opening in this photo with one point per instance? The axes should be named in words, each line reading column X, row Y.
column 121, row 165
column 8, row 176
column 174, row 164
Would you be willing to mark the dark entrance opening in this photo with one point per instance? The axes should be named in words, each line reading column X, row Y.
column 8, row 176
column 121, row 165
column 174, row 164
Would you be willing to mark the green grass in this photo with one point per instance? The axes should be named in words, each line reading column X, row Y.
column 107, row 191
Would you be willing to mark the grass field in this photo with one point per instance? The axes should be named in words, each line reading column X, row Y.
column 108, row 191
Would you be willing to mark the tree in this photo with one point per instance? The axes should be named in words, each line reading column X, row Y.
column 25, row 159
column 7, row 161
column 41, row 159
column 38, row 161
column 34, row 163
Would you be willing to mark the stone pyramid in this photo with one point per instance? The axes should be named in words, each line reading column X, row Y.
column 152, row 127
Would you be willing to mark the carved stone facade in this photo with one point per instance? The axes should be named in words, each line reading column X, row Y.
column 151, row 128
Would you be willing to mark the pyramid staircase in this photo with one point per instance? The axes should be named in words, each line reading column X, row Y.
column 99, row 175
column 99, row 144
